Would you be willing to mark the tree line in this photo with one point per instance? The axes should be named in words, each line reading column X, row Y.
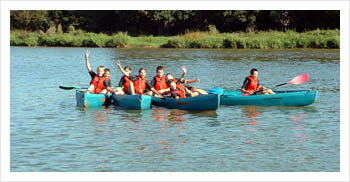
column 173, row 22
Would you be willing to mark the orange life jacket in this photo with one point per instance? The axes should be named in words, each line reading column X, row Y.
column 253, row 84
column 160, row 83
column 167, row 92
column 126, row 83
column 140, row 85
column 98, row 84
column 180, row 91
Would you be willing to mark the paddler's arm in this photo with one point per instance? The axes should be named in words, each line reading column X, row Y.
column 156, row 92
column 87, row 53
column 149, row 87
column 192, row 81
column 183, row 74
column 122, row 69
column 245, row 83
column 164, row 90
column 246, row 91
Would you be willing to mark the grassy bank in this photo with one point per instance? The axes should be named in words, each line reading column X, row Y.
column 212, row 39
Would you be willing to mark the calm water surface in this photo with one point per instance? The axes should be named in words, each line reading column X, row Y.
column 50, row 133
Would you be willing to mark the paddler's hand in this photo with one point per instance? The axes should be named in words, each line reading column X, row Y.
column 183, row 68
column 177, row 97
column 87, row 53
column 118, row 63
column 197, row 80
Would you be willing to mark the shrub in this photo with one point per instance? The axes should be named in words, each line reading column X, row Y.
column 71, row 28
column 118, row 40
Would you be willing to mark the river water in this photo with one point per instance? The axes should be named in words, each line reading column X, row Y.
column 50, row 133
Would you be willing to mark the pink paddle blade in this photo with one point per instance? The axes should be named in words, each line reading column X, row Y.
column 300, row 79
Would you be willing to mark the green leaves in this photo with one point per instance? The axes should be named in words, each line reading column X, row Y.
column 172, row 22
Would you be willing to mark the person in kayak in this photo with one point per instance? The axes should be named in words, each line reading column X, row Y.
column 251, row 85
column 183, row 81
column 159, row 81
column 97, row 80
column 124, row 81
column 179, row 91
column 107, row 83
column 139, row 84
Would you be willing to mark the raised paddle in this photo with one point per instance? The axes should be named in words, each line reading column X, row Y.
column 297, row 80
column 70, row 88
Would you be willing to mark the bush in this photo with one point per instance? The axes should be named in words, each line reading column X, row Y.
column 256, row 40
column 59, row 28
column 118, row 40
column 70, row 28
column 177, row 43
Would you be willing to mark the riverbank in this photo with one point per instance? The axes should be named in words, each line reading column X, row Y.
column 212, row 39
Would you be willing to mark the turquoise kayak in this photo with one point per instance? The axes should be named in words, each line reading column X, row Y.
column 92, row 100
column 198, row 103
column 281, row 98
column 134, row 102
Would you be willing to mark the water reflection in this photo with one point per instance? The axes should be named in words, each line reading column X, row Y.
column 299, row 126
column 159, row 114
column 251, row 113
column 176, row 115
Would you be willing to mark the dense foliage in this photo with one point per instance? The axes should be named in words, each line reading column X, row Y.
column 171, row 22
column 209, row 39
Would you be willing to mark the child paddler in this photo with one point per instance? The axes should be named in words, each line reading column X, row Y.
column 139, row 84
column 97, row 80
column 159, row 81
column 251, row 85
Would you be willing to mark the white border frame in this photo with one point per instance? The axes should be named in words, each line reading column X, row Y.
column 6, row 6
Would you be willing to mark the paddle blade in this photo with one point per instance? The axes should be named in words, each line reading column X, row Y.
column 70, row 88
column 66, row 88
column 300, row 79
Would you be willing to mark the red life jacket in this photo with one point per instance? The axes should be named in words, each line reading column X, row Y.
column 253, row 84
column 180, row 91
column 98, row 84
column 140, row 85
column 167, row 92
column 126, row 83
column 160, row 83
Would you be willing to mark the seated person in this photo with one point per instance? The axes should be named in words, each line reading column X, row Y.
column 159, row 81
column 97, row 80
column 139, row 84
column 251, row 85
column 123, row 86
column 183, row 81
column 179, row 91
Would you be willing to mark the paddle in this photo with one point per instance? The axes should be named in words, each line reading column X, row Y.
column 70, row 88
column 297, row 80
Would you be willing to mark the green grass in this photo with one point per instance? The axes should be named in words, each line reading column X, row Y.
column 213, row 39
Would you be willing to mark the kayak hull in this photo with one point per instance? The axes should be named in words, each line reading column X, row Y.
column 92, row 100
column 133, row 102
column 198, row 103
column 281, row 98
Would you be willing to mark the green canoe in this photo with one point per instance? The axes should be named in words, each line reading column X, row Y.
column 92, row 100
column 281, row 98
column 134, row 102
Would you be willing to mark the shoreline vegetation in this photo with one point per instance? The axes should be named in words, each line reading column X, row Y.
column 196, row 39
